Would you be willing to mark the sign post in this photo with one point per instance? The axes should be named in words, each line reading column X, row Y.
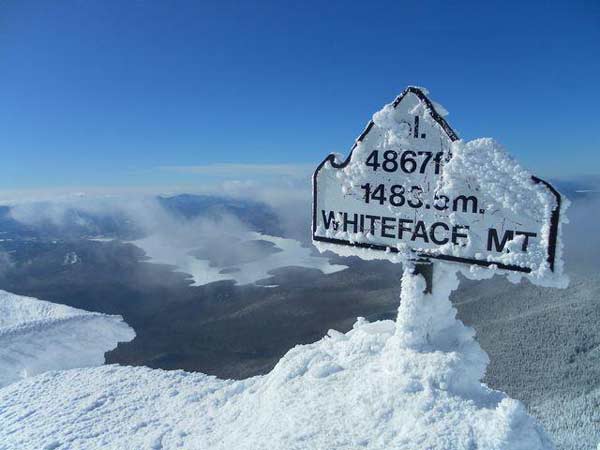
column 425, row 269
column 410, row 190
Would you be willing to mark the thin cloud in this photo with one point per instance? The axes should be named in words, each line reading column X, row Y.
column 236, row 170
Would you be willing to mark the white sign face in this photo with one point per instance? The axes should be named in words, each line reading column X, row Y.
column 410, row 189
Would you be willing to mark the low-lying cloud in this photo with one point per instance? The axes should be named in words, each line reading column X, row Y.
column 211, row 247
column 289, row 199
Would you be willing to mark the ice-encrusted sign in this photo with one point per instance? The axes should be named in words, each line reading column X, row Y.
column 410, row 189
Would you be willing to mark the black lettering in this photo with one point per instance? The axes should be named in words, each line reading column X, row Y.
column 402, row 228
column 464, row 200
column 373, row 219
column 420, row 232
column 416, row 127
column 456, row 234
column 330, row 220
column 350, row 222
column 437, row 204
column 432, row 233
column 527, row 235
column 493, row 239
column 385, row 227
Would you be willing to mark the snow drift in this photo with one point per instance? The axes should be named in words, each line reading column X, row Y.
column 36, row 336
column 410, row 384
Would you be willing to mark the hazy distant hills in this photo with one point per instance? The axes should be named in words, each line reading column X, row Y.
column 68, row 223
column 583, row 187
column 256, row 215
column 46, row 220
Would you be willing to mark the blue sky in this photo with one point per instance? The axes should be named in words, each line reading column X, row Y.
column 107, row 93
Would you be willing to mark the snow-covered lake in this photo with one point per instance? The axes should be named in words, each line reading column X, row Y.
column 188, row 258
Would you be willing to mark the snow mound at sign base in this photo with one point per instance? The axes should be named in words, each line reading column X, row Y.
column 379, row 386
column 36, row 336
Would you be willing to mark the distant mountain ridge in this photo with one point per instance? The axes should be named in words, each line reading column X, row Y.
column 256, row 215
column 75, row 222
column 577, row 188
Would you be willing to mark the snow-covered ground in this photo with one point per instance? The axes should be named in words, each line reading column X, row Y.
column 410, row 384
column 36, row 336
column 544, row 346
column 162, row 250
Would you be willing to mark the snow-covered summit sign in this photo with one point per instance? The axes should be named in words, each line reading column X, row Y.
column 410, row 189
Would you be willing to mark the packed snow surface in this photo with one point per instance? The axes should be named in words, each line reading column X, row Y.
column 36, row 336
column 410, row 384
column 163, row 250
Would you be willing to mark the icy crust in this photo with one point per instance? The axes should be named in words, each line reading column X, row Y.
column 508, row 198
column 36, row 336
column 411, row 384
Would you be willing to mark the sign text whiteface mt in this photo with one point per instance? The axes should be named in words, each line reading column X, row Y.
column 410, row 188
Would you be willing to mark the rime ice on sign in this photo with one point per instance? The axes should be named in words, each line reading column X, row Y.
column 411, row 189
